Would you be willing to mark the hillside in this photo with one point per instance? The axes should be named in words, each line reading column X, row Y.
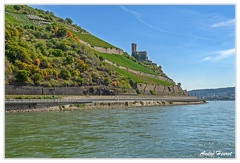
column 47, row 51
column 214, row 94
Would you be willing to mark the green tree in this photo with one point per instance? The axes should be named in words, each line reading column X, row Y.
column 43, row 61
column 107, row 81
column 81, row 65
column 101, row 58
column 69, row 21
column 37, row 79
column 48, row 27
column 23, row 76
column 37, row 34
column 75, row 73
column 65, row 74
column 16, row 7
column 15, row 32
column 57, row 53
column 69, row 59
column 80, row 81
column 62, row 46
column 14, row 51
column 61, row 32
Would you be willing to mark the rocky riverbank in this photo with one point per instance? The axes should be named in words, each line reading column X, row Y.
column 99, row 105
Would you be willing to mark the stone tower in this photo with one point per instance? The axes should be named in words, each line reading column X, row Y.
column 139, row 55
column 134, row 48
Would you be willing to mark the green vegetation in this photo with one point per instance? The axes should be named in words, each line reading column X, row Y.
column 136, row 78
column 51, row 54
column 69, row 21
column 153, row 92
column 79, row 105
column 23, row 76
column 48, row 55
column 18, row 19
column 92, row 40
column 31, row 97
column 125, row 62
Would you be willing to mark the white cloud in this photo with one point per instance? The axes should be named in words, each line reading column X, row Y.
column 138, row 16
column 227, row 23
column 220, row 55
column 134, row 13
column 206, row 59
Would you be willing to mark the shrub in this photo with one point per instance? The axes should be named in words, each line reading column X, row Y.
column 81, row 65
column 65, row 74
column 57, row 53
column 153, row 92
column 80, row 81
column 15, row 51
column 138, row 92
column 61, row 32
column 69, row 59
column 75, row 73
column 62, row 46
column 37, row 34
column 23, row 76
column 37, row 79
column 107, row 81
column 48, row 27
column 16, row 7
column 69, row 21
column 101, row 58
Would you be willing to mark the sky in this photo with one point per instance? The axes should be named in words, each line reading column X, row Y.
column 194, row 44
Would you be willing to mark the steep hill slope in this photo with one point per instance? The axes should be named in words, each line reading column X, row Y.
column 44, row 50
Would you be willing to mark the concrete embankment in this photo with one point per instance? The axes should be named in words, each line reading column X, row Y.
column 96, row 102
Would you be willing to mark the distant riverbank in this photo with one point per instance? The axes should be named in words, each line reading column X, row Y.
column 95, row 102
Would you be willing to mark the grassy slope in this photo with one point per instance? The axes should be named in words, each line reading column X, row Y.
column 142, row 79
column 22, row 19
column 92, row 40
column 125, row 62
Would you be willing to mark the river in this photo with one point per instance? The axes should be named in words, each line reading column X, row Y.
column 187, row 131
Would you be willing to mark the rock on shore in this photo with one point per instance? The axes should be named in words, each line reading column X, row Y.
column 101, row 105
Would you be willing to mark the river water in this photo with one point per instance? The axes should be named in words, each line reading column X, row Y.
column 187, row 131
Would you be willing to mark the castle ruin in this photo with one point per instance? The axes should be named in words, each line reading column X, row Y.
column 139, row 55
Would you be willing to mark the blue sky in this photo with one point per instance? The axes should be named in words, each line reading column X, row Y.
column 194, row 44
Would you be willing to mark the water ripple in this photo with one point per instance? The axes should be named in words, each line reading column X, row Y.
column 155, row 132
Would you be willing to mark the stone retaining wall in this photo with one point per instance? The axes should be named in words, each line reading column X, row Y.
column 85, row 90
column 103, row 50
column 146, row 89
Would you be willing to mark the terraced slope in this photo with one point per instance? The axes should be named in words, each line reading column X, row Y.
column 136, row 78
column 125, row 62
column 93, row 40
